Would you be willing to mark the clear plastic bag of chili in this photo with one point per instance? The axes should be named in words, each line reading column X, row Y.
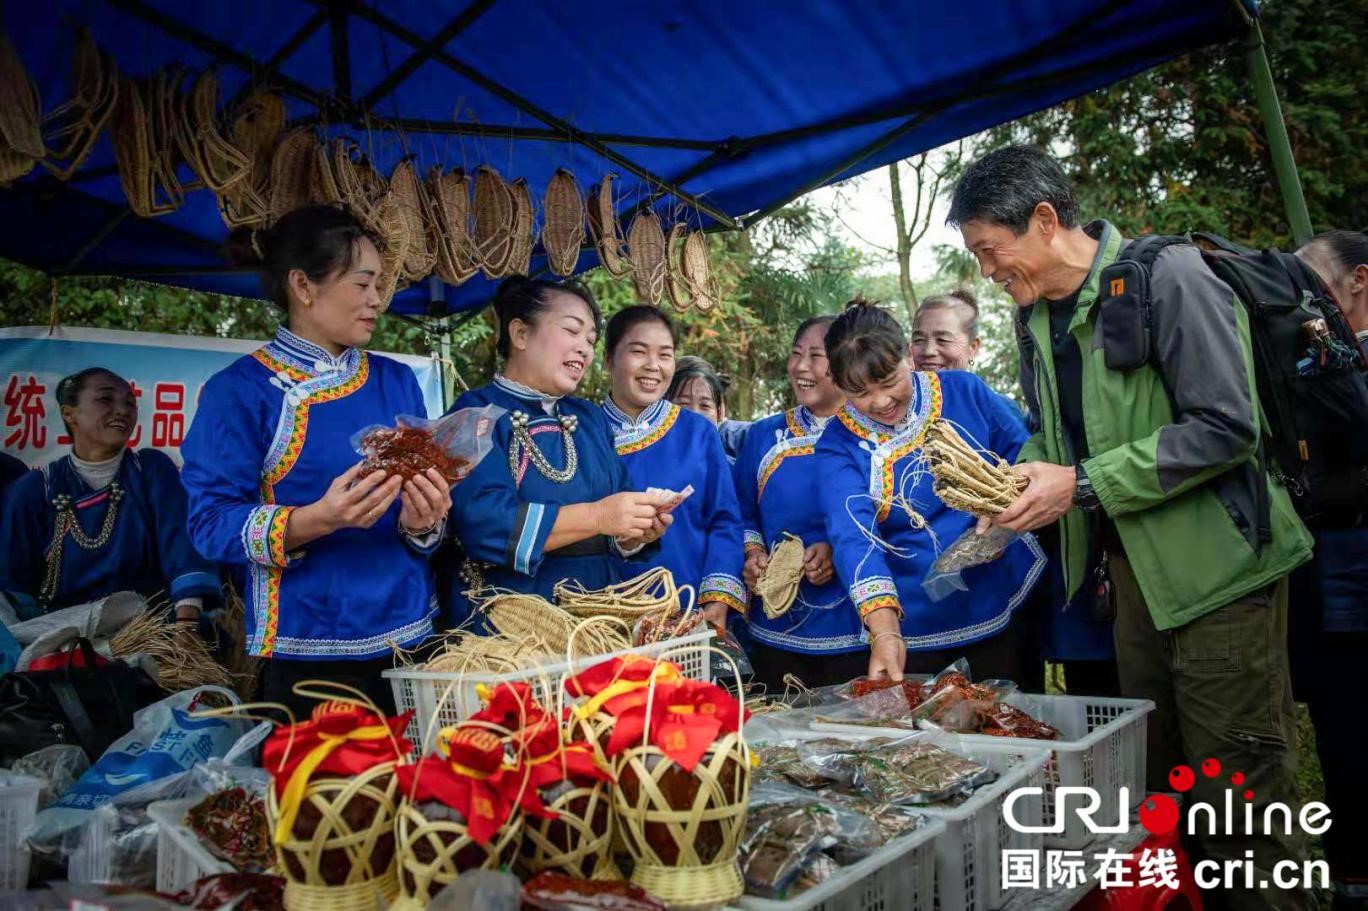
column 452, row 444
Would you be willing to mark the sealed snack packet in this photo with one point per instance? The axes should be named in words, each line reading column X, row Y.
column 453, row 444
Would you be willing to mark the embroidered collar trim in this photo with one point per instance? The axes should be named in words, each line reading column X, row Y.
column 621, row 421
column 811, row 423
column 865, row 427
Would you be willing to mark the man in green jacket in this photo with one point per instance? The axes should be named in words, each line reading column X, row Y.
column 1156, row 477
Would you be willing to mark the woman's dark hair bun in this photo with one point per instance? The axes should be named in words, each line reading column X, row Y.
column 321, row 241
column 860, row 302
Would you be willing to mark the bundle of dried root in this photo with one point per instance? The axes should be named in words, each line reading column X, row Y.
column 778, row 585
column 183, row 660
column 966, row 481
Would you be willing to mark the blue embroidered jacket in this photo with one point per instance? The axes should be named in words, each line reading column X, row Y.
column 272, row 432
column 778, row 483
column 877, row 492
column 504, row 512
column 671, row 447
column 148, row 550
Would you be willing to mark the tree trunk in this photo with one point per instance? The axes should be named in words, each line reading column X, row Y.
column 904, row 251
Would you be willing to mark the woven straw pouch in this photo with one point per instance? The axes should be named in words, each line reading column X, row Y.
column 696, row 268
column 449, row 211
column 675, row 288
column 292, row 169
column 410, row 195
column 214, row 158
column 646, row 249
column 562, row 223
column 496, row 216
column 20, row 118
column 71, row 129
column 390, row 225
column 258, row 124
column 524, row 228
column 143, row 166
column 603, row 224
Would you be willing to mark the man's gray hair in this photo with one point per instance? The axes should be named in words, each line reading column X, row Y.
column 1005, row 186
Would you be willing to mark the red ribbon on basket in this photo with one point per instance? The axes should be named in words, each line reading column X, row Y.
column 686, row 716
column 341, row 739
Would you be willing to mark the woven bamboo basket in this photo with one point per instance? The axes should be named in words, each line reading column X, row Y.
column 449, row 213
column 683, row 829
column 524, row 228
column 20, row 116
column 142, row 166
column 324, row 187
column 420, row 256
column 340, row 855
column 675, row 288
column 695, row 267
column 579, row 842
column 71, row 129
column 562, row 233
column 292, row 172
column 390, row 227
column 433, row 852
column 258, row 124
column 214, row 158
column 646, row 249
column 601, row 209
column 495, row 215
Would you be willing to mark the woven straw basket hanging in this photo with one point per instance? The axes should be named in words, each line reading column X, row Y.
column 257, row 126
column 675, row 289
column 390, row 226
column 601, row 208
column 411, row 196
column 214, row 158
column 562, row 223
column 646, row 249
column 324, row 188
column 434, row 852
column 695, row 266
column 449, row 212
column 292, row 172
column 579, row 842
column 341, row 854
column 21, row 135
column 71, row 129
column 142, row 138
column 524, row 228
column 683, row 830
column 495, row 215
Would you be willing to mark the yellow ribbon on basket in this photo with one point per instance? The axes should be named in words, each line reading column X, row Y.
column 292, row 798
column 663, row 672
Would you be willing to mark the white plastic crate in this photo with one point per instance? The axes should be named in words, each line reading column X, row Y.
column 451, row 698
column 1101, row 745
column 18, row 807
column 969, row 853
column 900, row 876
column 181, row 858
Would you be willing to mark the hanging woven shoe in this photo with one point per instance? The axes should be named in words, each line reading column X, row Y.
column 646, row 251
column 562, row 223
column 601, row 208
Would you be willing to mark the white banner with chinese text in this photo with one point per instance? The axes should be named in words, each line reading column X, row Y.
column 167, row 373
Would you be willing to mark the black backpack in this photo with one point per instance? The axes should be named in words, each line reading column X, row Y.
column 1311, row 375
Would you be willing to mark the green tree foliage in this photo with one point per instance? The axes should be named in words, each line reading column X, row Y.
column 1182, row 147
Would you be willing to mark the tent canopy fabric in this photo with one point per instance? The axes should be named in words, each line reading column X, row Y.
column 714, row 112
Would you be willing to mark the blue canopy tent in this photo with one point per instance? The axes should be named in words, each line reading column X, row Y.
column 714, row 112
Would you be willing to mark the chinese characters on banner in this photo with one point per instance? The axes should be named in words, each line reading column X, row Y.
column 167, row 373
column 1059, row 869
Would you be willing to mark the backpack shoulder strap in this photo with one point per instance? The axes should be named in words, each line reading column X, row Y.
column 1144, row 250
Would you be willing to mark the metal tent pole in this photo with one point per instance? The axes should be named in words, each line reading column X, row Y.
column 1279, row 147
column 442, row 327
